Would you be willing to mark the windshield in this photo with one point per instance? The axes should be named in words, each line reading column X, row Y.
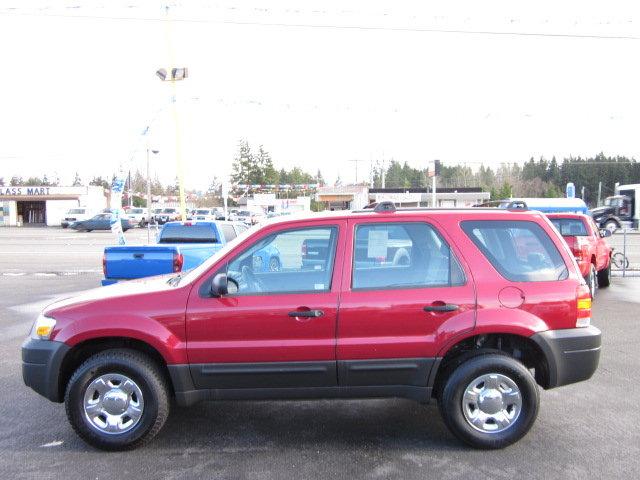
column 77, row 211
column 202, row 212
column 613, row 202
column 193, row 274
column 136, row 210
column 169, row 210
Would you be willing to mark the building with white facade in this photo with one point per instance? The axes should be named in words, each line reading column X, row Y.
column 43, row 205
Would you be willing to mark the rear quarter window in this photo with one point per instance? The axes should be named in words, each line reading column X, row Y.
column 572, row 227
column 521, row 251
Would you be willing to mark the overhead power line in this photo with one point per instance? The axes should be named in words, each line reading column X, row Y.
column 337, row 27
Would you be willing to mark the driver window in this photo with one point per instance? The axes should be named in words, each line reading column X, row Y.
column 290, row 261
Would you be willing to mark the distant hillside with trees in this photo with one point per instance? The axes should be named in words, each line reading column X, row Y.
column 535, row 178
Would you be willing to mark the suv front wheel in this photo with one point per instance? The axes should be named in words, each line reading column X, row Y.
column 117, row 400
column 489, row 401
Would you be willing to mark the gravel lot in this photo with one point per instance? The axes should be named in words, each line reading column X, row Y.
column 583, row 430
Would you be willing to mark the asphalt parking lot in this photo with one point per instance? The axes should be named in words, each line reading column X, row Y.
column 583, row 430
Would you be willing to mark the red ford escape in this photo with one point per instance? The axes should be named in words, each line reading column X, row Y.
column 473, row 308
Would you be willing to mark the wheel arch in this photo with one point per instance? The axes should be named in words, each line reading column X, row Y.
column 519, row 347
column 87, row 348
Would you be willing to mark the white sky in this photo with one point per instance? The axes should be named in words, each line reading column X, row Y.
column 77, row 90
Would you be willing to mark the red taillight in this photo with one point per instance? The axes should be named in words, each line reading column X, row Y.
column 178, row 261
column 583, row 306
column 578, row 249
column 104, row 264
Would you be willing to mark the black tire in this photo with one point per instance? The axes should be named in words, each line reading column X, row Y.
column 451, row 400
column 592, row 280
column 604, row 277
column 148, row 377
column 611, row 225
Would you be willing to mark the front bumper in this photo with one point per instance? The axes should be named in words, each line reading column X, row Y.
column 41, row 365
column 572, row 354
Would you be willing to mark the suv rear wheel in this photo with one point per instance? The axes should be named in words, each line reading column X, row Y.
column 117, row 400
column 489, row 401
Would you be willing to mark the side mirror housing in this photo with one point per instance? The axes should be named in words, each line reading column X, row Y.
column 604, row 233
column 219, row 285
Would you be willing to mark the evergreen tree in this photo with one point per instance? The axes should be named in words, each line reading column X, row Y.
column 77, row 181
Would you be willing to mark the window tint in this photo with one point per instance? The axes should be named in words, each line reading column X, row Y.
column 228, row 232
column 401, row 255
column 195, row 233
column 290, row 261
column 520, row 250
column 573, row 227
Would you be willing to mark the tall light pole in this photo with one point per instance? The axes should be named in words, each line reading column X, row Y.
column 149, row 196
column 172, row 76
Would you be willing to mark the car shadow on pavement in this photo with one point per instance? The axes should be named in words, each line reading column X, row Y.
column 388, row 423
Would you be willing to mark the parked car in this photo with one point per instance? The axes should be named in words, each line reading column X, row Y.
column 138, row 216
column 180, row 246
column 102, row 221
column 588, row 245
column 168, row 214
column 545, row 205
column 76, row 215
column 472, row 321
column 203, row 215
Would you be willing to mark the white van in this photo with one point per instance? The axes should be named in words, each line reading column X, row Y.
column 75, row 215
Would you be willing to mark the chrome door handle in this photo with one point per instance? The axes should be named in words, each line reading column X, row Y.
column 447, row 307
column 307, row 313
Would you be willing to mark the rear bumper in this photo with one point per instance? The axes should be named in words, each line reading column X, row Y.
column 41, row 364
column 572, row 354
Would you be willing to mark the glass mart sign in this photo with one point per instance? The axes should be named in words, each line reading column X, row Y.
column 41, row 191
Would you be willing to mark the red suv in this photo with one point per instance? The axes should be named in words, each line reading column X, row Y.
column 474, row 308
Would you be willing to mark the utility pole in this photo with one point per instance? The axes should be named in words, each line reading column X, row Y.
column 356, row 161
column 148, row 217
column 433, row 174
column 599, row 192
column 383, row 172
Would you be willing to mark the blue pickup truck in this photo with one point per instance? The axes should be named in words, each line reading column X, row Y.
column 180, row 246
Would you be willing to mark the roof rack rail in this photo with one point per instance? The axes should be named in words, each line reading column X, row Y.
column 389, row 206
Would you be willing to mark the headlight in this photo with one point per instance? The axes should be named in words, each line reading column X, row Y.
column 43, row 327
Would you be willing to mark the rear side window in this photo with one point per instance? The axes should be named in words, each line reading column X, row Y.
column 402, row 255
column 177, row 233
column 521, row 251
column 572, row 227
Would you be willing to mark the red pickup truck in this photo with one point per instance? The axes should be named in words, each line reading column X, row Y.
column 588, row 245
column 463, row 315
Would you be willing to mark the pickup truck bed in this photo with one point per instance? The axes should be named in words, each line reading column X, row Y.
column 181, row 246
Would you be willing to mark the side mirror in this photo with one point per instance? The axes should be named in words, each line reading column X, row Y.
column 219, row 285
column 604, row 233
